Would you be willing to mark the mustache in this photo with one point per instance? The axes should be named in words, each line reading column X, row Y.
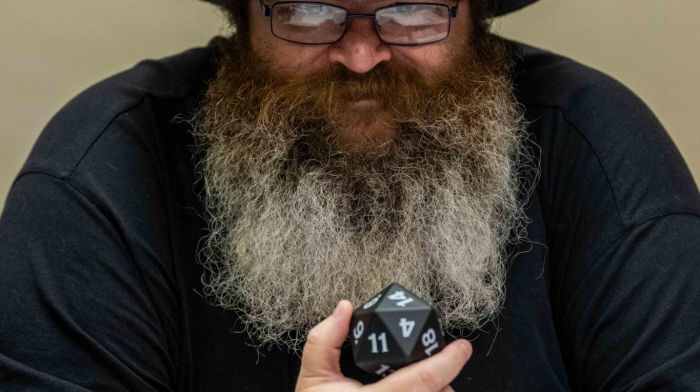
column 382, row 81
column 340, row 76
column 399, row 91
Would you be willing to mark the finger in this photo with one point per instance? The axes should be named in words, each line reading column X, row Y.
column 321, row 355
column 432, row 374
column 448, row 389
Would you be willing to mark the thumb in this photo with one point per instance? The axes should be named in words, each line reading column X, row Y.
column 321, row 356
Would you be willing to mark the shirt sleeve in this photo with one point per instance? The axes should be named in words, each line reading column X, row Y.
column 623, row 217
column 633, row 323
column 78, row 313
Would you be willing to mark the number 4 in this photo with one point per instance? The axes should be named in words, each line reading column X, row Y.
column 406, row 327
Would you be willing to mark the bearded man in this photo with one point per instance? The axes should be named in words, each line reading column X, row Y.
column 189, row 224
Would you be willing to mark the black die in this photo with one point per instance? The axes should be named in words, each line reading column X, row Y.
column 394, row 329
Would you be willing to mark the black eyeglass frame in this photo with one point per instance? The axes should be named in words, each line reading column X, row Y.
column 352, row 15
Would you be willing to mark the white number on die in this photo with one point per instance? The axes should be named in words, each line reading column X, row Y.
column 429, row 340
column 406, row 327
column 371, row 302
column 383, row 369
column 401, row 297
column 382, row 337
column 358, row 330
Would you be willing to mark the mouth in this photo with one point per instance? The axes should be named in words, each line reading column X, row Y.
column 364, row 104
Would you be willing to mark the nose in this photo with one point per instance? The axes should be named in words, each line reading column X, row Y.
column 360, row 49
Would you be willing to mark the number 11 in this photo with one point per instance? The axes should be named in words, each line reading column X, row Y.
column 373, row 338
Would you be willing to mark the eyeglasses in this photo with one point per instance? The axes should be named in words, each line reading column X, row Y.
column 404, row 24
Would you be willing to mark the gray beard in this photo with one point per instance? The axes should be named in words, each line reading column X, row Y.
column 290, row 237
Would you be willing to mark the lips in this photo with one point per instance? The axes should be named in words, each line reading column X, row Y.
column 365, row 103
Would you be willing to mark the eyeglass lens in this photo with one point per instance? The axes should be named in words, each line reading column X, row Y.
column 318, row 23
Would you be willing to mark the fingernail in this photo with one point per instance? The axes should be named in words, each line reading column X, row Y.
column 337, row 312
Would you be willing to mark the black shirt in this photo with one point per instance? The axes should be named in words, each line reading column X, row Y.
column 99, row 236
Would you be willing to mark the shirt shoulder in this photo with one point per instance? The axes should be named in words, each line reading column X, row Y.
column 595, row 133
column 94, row 237
column 126, row 102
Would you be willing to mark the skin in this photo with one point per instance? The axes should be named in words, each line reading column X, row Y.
column 360, row 51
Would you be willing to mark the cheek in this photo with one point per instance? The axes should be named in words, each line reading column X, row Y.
column 428, row 60
column 289, row 59
column 299, row 59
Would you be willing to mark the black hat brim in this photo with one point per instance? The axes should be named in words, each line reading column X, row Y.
column 501, row 7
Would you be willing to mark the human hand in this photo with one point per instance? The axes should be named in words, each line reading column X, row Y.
column 320, row 362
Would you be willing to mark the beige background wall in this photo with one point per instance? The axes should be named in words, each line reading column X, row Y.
column 51, row 50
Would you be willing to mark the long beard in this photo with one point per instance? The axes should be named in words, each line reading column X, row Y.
column 298, row 222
